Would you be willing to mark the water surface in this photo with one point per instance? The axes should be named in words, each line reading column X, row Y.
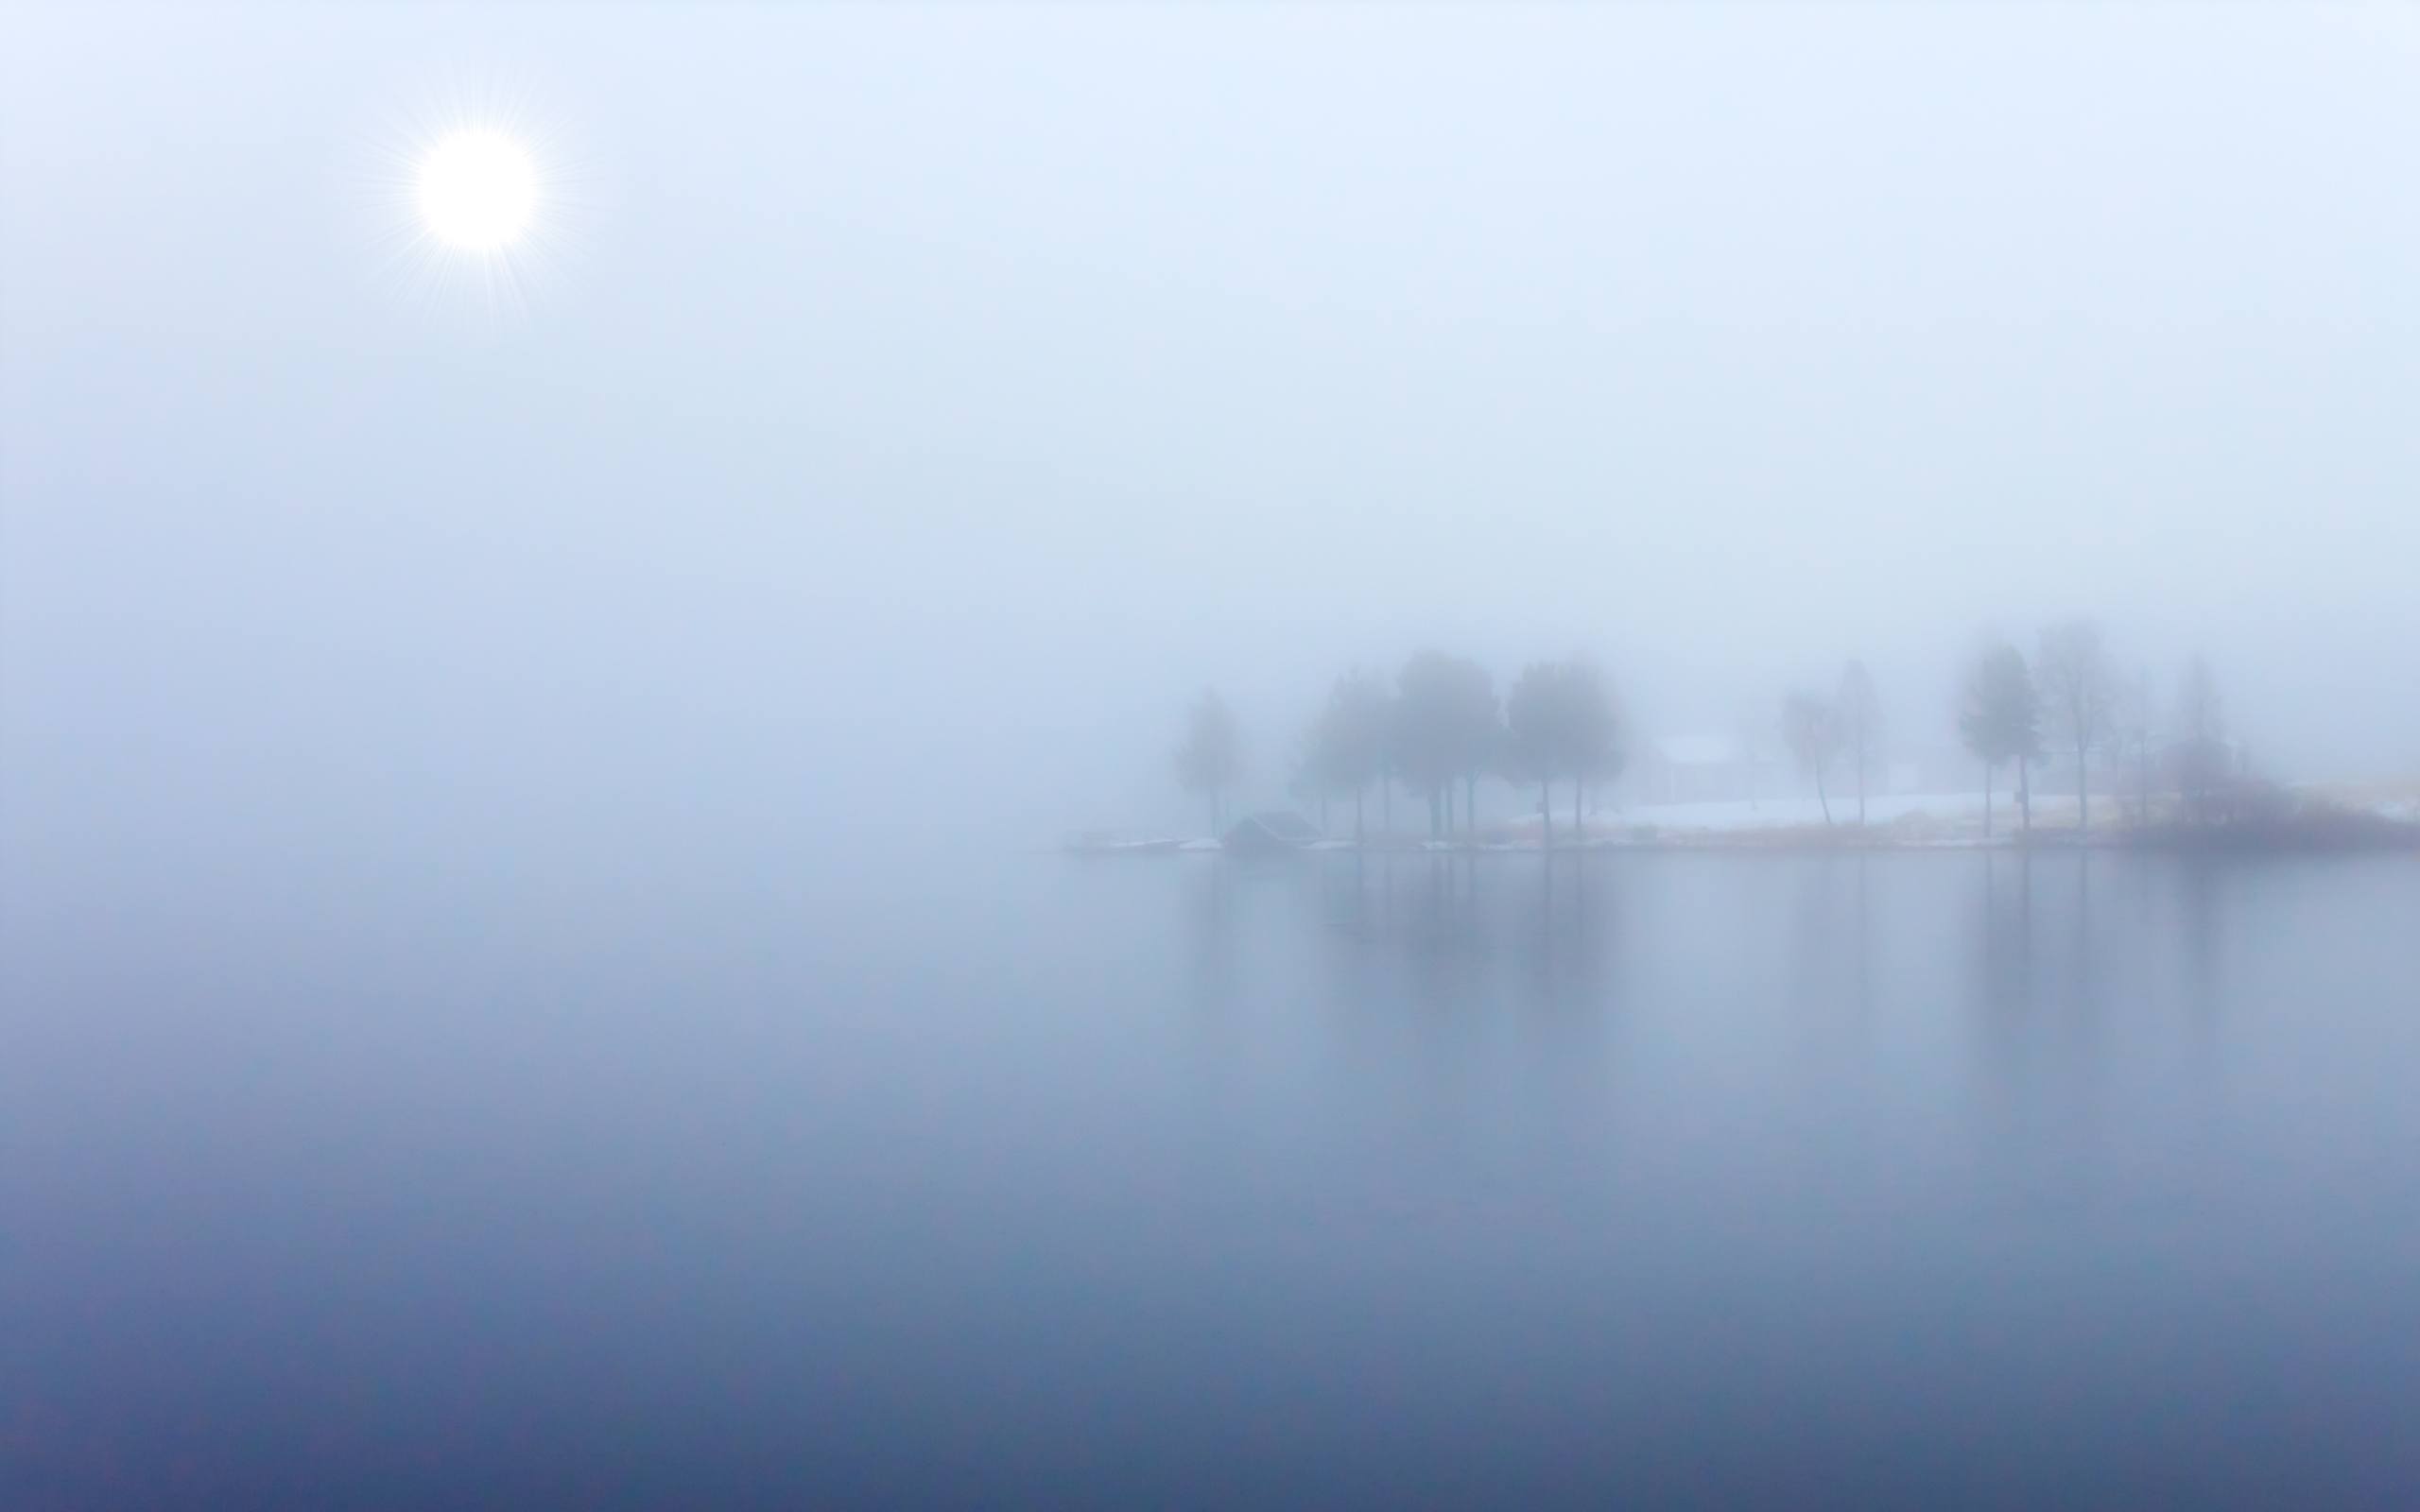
column 1901, row 1179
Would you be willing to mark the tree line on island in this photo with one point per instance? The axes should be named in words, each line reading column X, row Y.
column 2074, row 689
column 1438, row 726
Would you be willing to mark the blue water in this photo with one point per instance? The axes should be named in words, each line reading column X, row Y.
column 1902, row 1181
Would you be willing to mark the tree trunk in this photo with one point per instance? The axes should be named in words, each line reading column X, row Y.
column 1578, row 826
column 2083, row 800
column 1822, row 797
column 1470, row 807
column 1546, row 815
column 2143, row 770
column 2025, row 794
column 1987, row 800
column 1448, row 785
column 1357, row 811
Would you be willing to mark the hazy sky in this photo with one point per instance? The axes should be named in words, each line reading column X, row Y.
column 931, row 400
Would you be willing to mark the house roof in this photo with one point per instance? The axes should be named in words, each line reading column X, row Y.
column 1281, row 824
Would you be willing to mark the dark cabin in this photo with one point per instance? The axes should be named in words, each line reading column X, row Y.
column 1268, row 832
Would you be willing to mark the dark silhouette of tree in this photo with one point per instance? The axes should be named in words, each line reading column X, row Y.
column 1860, row 725
column 1212, row 757
column 1810, row 727
column 1997, row 717
column 1533, row 716
column 1478, row 734
column 1389, row 760
column 2072, row 672
column 1593, row 730
column 1348, row 743
column 2200, row 757
column 1445, row 727
column 1423, row 733
column 1562, row 721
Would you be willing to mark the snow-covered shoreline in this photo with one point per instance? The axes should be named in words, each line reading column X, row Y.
column 2326, row 815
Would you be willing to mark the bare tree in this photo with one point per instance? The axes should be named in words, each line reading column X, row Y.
column 1861, row 724
column 1811, row 729
column 1997, row 717
column 2072, row 669
column 2134, row 727
column 2200, row 757
column 1211, row 757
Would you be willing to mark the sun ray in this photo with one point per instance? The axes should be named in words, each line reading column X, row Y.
column 477, row 203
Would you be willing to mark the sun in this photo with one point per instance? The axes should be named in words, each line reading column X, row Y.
column 477, row 190
column 474, row 199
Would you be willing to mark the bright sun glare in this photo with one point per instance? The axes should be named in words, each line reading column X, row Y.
column 477, row 190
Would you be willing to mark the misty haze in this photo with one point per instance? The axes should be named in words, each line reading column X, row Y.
column 1179, row 756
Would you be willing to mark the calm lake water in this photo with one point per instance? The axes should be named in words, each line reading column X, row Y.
column 1910, row 1180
